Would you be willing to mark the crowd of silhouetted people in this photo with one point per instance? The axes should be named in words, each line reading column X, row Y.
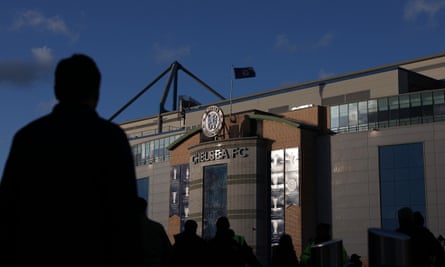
column 426, row 250
column 68, row 197
column 226, row 248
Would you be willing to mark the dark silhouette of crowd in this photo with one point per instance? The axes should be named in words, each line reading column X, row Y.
column 68, row 197
column 426, row 248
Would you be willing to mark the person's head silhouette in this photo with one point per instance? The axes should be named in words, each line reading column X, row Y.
column 190, row 226
column 77, row 80
column 222, row 224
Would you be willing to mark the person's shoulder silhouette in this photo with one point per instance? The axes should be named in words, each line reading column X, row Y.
column 230, row 249
column 284, row 254
column 429, row 246
column 157, row 249
column 189, row 248
column 69, row 186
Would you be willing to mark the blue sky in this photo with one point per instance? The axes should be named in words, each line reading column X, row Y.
column 133, row 42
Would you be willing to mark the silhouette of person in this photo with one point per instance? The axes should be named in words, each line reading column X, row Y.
column 189, row 249
column 430, row 246
column 229, row 249
column 323, row 234
column 156, row 245
column 354, row 261
column 284, row 254
column 422, row 244
column 68, row 192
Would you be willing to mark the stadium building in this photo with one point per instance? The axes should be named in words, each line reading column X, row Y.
column 348, row 150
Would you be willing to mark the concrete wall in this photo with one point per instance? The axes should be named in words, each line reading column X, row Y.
column 355, row 180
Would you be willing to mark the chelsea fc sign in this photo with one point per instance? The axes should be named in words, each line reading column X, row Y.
column 212, row 121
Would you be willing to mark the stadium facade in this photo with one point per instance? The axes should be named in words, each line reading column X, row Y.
column 348, row 150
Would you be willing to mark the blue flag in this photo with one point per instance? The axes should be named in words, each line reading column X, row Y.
column 247, row 72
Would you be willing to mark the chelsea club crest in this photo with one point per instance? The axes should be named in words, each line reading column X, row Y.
column 212, row 121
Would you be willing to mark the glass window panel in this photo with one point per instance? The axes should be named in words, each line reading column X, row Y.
column 417, row 192
column 387, row 192
column 427, row 98
column 427, row 107
column 214, row 197
column 393, row 111
column 408, row 184
column 387, row 157
column 404, row 101
column 161, row 149
column 142, row 153
column 343, row 117
column 402, row 193
column 382, row 104
column 156, row 150
column 439, row 105
column 416, row 110
column 404, row 112
column 152, row 150
column 383, row 114
column 415, row 100
column 138, row 155
column 147, row 151
column 439, row 97
column 334, row 118
column 393, row 103
column 402, row 173
column 372, row 113
column 363, row 115
column 142, row 187
column 353, row 116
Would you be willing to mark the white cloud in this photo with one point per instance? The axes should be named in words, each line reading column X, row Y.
column 325, row 40
column 36, row 20
column 23, row 73
column 322, row 74
column 43, row 55
column 165, row 55
column 415, row 8
column 283, row 43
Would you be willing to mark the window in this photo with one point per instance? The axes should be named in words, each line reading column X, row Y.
column 393, row 111
column 427, row 107
column 215, row 197
column 142, row 187
column 416, row 108
column 404, row 110
column 363, row 116
column 343, row 118
column 334, row 118
column 401, row 181
column 353, row 117
column 439, row 105
column 383, row 114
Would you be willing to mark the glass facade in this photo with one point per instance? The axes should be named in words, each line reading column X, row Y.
column 180, row 192
column 142, row 187
column 401, row 181
column 214, row 197
column 393, row 111
column 153, row 151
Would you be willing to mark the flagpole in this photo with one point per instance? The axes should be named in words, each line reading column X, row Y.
column 230, row 95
